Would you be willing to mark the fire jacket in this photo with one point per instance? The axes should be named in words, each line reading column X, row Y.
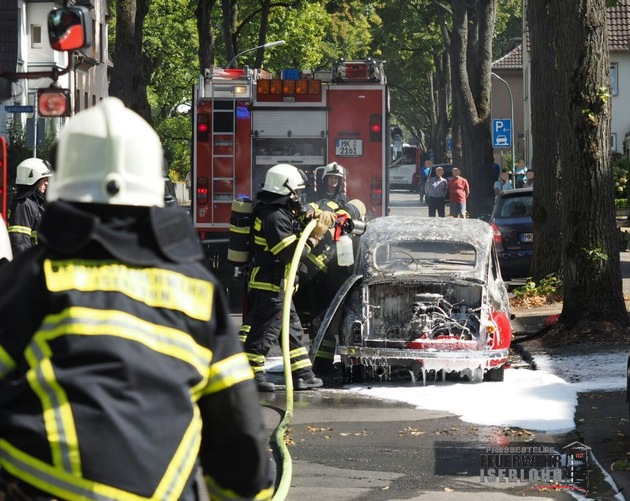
column 115, row 348
column 275, row 234
column 25, row 215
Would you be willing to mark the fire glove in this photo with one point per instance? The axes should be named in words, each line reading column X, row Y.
column 325, row 221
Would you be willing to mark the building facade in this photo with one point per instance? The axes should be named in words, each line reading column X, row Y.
column 25, row 48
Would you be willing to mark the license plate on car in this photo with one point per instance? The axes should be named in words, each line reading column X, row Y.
column 527, row 237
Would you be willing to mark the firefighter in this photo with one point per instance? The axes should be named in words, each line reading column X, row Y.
column 276, row 230
column 333, row 184
column 324, row 277
column 121, row 377
column 27, row 205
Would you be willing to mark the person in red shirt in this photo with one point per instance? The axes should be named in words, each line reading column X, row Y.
column 459, row 190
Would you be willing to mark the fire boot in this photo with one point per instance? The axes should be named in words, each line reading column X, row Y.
column 262, row 384
column 307, row 381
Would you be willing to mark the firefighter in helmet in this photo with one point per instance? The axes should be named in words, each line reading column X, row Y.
column 333, row 184
column 324, row 276
column 122, row 377
column 276, row 230
column 27, row 205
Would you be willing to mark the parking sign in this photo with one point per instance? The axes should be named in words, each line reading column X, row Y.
column 501, row 133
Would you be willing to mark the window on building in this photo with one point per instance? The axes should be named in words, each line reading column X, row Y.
column 613, row 79
column 93, row 99
column 36, row 36
column 77, row 101
column 613, row 141
column 86, row 100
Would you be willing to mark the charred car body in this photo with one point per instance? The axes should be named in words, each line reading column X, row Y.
column 426, row 300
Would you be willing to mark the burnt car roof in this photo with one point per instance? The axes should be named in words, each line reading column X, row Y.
column 389, row 229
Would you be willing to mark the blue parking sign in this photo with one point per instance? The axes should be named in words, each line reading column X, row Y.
column 501, row 133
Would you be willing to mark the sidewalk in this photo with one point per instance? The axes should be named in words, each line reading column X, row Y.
column 601, row 417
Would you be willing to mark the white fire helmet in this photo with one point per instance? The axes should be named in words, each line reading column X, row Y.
column 32, row 170
column 284, row 179
column 108, row 154
column 333, row 169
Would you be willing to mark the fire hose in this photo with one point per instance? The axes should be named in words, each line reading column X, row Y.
column 287, row 466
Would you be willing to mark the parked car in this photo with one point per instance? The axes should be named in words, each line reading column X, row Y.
column 511, row 221
column 426, row 300
column 170, row 196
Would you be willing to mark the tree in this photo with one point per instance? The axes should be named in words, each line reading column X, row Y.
column 591, row 269
column 545, row 116
column 130, row 74
column 471, row 60
column 205, row 33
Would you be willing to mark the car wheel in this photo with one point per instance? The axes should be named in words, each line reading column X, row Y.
column 495, row 375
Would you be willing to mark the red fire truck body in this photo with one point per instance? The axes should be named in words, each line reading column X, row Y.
column 246, row 121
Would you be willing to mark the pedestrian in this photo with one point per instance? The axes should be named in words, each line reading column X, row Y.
column 276, row 230
column 122, row 377
column 27, row 205
column 521, row 174
column 496, row 168
column 458, row 190
column 333, row 185
column 424, row 176
column 437, row 191
column 189, row 186
column 530, row 179
column 503, row 183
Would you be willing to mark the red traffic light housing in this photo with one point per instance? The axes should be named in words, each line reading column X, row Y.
column 68, row 28
column 53, row 102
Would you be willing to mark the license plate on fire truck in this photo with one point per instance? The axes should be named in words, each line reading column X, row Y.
column 349, row 147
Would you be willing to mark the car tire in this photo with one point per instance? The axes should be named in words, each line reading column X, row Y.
column 495, row 375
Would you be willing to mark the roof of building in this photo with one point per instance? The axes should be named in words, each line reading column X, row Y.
column 513, row 60
column 618, row 21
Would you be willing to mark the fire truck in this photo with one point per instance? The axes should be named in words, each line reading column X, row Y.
column 247, row 120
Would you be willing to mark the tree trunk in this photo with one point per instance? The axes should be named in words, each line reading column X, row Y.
column 205, row 33
column 229, row 23
column 131, row 74
column 544, row 90
column 262, row 32
column 471, row 59
column 591, row 268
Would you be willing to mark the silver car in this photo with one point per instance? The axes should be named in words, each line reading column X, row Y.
column 426, row 300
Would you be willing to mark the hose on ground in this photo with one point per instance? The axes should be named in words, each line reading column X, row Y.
column 287, row 466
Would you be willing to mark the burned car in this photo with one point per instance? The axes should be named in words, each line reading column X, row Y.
column 426, row 300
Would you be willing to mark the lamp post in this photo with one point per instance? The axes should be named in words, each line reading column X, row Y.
column 264, row 46
column 513, row 124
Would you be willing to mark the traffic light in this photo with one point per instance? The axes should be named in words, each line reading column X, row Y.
column 53, row 102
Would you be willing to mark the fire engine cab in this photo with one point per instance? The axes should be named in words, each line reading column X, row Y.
column 246, row 121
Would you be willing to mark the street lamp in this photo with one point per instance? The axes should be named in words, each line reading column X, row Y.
column 264, row 46
column 512, row 127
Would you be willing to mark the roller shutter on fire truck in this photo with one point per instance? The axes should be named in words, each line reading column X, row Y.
column 293, row 136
